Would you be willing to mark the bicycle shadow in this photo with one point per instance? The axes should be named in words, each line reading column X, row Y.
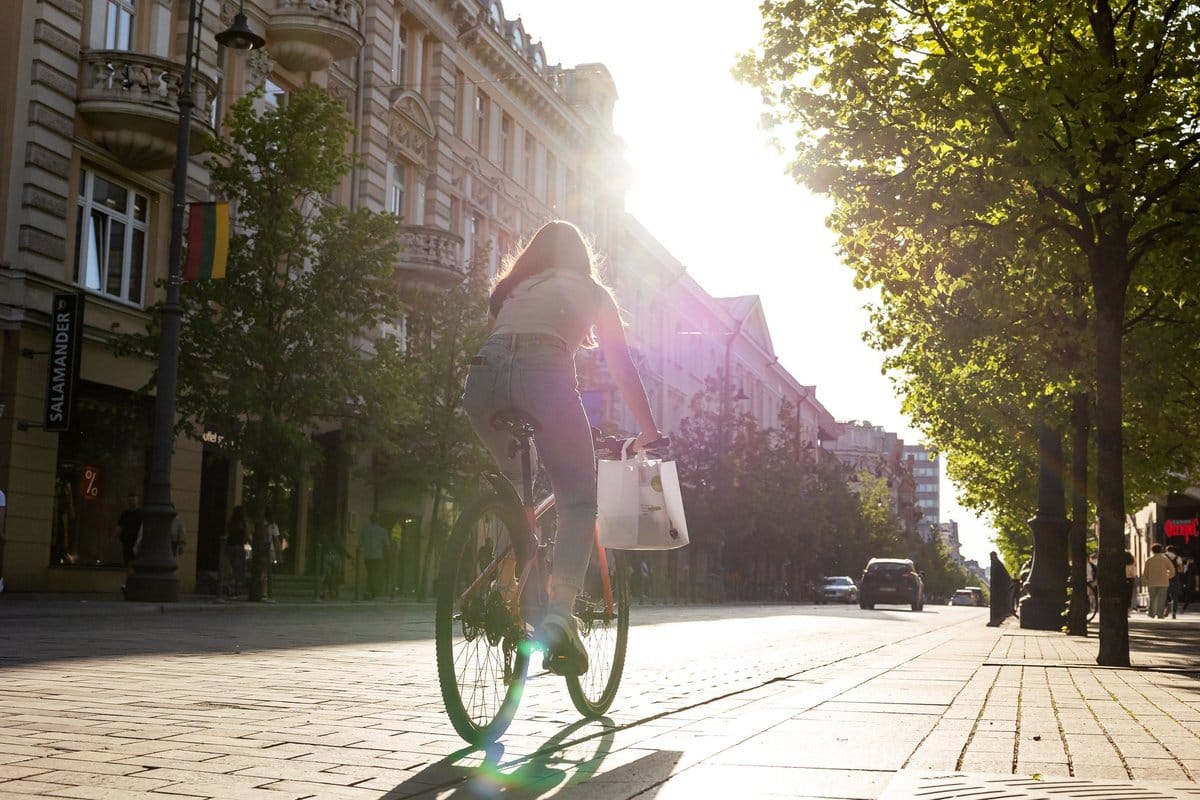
column 560, row 767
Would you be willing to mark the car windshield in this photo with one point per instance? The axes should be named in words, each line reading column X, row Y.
column 889, row 568
column 838, row 582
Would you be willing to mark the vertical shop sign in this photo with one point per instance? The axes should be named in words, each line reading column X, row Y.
column 62, row 376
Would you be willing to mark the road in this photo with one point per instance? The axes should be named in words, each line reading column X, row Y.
column 343, row 702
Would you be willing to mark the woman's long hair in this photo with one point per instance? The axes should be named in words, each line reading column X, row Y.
column 556, row 245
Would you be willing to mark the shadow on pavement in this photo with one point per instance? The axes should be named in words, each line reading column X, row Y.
column 559, row 768
column 26, row 639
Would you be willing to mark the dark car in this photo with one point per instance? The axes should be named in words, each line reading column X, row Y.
column 891, row 580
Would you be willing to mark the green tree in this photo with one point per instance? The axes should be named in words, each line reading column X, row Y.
column 422, row 438
column 278, row 350
column 1068, row 129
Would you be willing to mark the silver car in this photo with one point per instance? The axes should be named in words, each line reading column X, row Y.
column 839, row 589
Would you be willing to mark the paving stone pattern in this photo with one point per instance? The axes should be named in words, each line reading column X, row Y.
column 790, row 701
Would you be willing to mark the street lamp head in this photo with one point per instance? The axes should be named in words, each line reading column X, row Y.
column 238, row 36
column 737, row 398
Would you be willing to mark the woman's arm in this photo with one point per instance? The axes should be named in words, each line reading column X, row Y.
column 611, row 334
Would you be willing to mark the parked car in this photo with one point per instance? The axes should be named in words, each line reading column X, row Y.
column 839, row 589
column 893, row 581
column 963, row 597
column 977, row 593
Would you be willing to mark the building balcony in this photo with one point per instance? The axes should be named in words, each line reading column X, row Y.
column 130, row 104
column 430, row 256
column 309, row 35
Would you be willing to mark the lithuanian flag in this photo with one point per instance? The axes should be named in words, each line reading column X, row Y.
column 207, row 242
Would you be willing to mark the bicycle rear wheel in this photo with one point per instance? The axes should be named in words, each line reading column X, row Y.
column 604, row 631
column 482, row 646
column 1093, row 603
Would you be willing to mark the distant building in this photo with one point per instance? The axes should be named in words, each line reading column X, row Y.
column 948, row 531
column 927, row 474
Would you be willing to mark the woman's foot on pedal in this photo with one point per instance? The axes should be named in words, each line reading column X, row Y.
column 565, row 653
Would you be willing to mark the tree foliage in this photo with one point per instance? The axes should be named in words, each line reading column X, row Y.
column 278, row 350
column 1041, row 157
column 769, row 501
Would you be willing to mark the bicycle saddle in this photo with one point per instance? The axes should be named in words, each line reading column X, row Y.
column 514, row 419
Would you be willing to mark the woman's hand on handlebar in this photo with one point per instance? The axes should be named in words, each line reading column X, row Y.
column 647, row 437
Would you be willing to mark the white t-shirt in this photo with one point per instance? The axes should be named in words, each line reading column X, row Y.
column 553, row 303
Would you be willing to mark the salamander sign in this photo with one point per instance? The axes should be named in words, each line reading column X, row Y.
column 66, row 339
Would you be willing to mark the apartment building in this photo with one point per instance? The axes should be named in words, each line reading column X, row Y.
column 927, row 475
column 466, row 130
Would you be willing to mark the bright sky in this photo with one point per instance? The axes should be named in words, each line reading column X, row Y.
column 708, row 186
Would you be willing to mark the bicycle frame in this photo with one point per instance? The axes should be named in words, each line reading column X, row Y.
column 532, row 513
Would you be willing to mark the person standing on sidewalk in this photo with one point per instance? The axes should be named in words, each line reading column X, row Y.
column 3, row 519
column 236, row 539
column 1131, row 576
column 374, row 542
column 1175, row 587
column 1157, row 573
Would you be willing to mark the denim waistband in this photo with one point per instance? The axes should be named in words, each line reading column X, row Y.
column 517, row 339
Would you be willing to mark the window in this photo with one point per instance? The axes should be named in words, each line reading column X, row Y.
column 460, row 102
column 506, row 143
column 395, row 193
column 529, row 159
column 274, row 95
column 118, row 24
column 551, row 179
column 481, row 113
column 400, row 56
column 110, row 249
column 101, row 462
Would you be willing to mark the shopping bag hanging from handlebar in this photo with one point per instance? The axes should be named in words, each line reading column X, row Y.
column 639, row 505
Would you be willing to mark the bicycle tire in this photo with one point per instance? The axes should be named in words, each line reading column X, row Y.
column 482, row 652
column 1093, row 604
column 605, row 635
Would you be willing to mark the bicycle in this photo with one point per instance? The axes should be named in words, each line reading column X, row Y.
column 492, row 591
column 1093, row 599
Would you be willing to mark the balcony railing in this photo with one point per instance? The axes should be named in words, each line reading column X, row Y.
column 309, row 35
column 130, row 103
column 430, row 255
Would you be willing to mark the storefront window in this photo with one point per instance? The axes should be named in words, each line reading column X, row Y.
column 101, row 462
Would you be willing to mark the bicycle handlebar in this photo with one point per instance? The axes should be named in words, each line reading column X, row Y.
column 611, row 447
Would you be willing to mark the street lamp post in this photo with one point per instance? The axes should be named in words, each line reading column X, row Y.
column 153, row 578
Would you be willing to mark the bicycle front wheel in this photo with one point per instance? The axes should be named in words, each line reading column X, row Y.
column 604, row 629
column 482, row 647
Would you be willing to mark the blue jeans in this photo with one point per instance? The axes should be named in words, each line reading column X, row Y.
column 535, row 374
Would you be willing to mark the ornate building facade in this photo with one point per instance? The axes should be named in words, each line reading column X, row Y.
column 465, row 130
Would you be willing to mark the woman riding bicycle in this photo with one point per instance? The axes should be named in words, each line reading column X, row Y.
column 543, row 308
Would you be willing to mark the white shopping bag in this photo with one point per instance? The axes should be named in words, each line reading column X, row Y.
column 639, row 505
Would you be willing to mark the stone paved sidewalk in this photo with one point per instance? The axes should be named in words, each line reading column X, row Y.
column 953, row 710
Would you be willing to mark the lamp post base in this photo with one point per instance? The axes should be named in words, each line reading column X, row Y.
column 152, row 588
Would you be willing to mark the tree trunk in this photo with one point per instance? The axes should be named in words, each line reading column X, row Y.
column 1077, row 543
column 1045, row 601
column 1109, row 288
column 426, row 563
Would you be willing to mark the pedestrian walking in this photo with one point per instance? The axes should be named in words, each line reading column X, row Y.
column 3, row 519
column 236, row 539
column 374, row 543
column 129, row 529
column 1175, row 587
column 1156, row 576
column 1131, row 576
